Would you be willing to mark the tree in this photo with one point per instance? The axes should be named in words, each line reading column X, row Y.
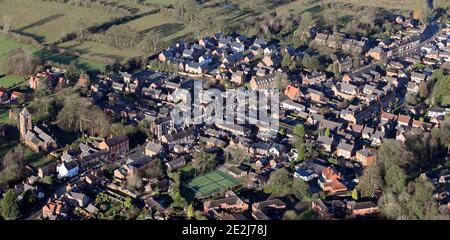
column 150, row 42
column 153, row 169
column 78, row 115
column 128, row 203
column 204, row 161
column 47, row 180
column 327, row 132
column 135, row 181
column 411, row 99
column 299, row 135
column 280, row 82
column 82, row 26
column 390, row 206
column 355, row 194
column 72, row 73
column 13, row 165
column 423, row 204
column 43, row 89
column 235, row 155
column 7, row 23
column 178, row 200
column 291, row 215
column 199, row 215
column 10, row 205
column 370, row 181
column 311, row 63
column 441, row 91
column 287, row 60
column 395, row 178
column 423, row 90
column 300, row 189
column 21, row 62
column 29, row 197
column 84, row 79
column 279, row 182
column 301, row 152
column 190, row 211
column 392, row 152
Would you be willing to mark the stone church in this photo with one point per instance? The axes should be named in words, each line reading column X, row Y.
column 34, row 137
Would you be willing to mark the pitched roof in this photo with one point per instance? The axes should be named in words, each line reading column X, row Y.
column 291, row 91
column 324, row 140
column 345, row 146
column 25, row 112
column 116, row 140
column 154, row 147
column 71, row 165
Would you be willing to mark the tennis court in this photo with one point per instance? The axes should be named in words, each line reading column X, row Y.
column 210, row 183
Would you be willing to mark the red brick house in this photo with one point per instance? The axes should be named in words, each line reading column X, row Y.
column 229, row 203
column 116, row 145
column 330, row 181
column 363, row 208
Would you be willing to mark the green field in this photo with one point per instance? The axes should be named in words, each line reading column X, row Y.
column 389, row 4
column 11, row 81
column 211, row 183
column 89, row 50
column 83, row 63
column 301, row 5
column 6, row 46
column 47, row 21
column 160, row 1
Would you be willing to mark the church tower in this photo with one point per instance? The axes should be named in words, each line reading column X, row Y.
column 24, row 123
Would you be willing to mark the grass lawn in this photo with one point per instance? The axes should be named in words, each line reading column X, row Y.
column 210, row 183
column 4, row 116
column 47, row 21
column 11, row 81
column 4, row 148
column 42, row 162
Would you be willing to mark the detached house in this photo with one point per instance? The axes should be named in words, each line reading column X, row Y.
column 330, row 181
column 55, row 209
column 292, row 92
